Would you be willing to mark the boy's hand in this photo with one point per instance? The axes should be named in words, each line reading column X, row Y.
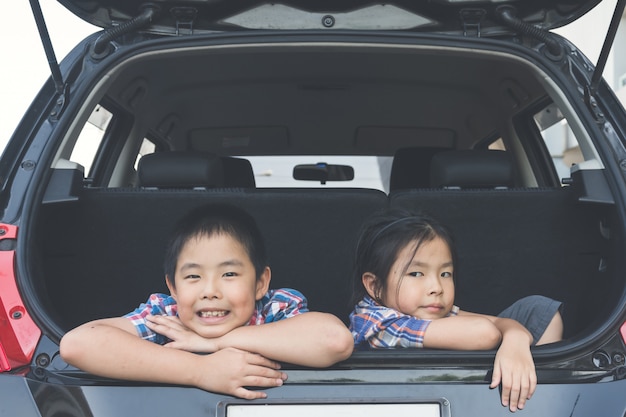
column 182, row 338
column 231, row 370
column 515, row 370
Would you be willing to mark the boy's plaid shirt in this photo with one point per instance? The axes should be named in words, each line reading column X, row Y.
column 274, row 306
column 384, row 327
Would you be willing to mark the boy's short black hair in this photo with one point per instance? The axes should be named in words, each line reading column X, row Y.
column 215, row 219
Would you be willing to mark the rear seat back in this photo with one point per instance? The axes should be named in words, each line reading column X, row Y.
column 180, row 170
column 114, row 247
column 194, row 170
column 106, row 249
column 471, row 169
column 238, row 172
column 411, row 167
column 511, row 242
column 517, row 242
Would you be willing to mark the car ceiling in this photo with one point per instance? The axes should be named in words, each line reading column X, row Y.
column 323, row 96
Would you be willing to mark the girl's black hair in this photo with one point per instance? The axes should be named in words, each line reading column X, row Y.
column 211, row 220
column 384, row 236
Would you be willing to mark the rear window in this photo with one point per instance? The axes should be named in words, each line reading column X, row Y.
column 277, row 171
column 91, row 137
column 559, row 139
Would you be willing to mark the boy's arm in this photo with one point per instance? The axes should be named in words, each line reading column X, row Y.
column 311, row 339
column 112, row 348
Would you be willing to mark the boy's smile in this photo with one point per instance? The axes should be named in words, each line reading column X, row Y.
column 216, row 285
column 212, row 313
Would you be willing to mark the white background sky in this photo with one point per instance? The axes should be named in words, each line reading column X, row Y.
column 24, row 66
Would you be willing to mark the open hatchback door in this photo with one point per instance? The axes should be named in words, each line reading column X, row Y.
column 475, row 112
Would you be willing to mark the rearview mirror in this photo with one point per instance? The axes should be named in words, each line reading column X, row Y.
column 323, row 172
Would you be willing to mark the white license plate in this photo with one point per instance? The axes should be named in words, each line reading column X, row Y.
column 335, row 410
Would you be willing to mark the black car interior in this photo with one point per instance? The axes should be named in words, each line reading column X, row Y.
column 99, row 252
column 512, row 241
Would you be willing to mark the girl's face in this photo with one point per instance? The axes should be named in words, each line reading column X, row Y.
column 425, row 289
column 216, row 285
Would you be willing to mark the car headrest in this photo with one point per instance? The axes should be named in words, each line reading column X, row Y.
column 411, row 167
column 180, row 170
column 238, row 172
column 472, row 169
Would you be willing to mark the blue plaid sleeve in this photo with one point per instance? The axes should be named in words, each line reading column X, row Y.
column 157, row 305
column 278, row 305
column 382, row 327
column 399, row 331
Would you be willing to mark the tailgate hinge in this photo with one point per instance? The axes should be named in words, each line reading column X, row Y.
column 60, row 104
column 184, row 16
column 102, row 47
column 472, row 18
column 508, row 15
column 592, row 105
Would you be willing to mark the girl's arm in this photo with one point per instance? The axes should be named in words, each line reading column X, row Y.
column 311, row 339
column 462, row 332
column 112, row 348
column 514, row 367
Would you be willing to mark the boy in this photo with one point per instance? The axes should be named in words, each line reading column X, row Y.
column 218, row 278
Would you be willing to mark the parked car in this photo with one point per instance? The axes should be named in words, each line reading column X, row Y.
column 320, row 114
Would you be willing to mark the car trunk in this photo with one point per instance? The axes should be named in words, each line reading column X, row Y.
column 84, row 221
column 95, row 245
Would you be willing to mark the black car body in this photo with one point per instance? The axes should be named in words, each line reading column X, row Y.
column 82, row 236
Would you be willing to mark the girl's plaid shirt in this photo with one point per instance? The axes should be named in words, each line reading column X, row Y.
column 383, row 327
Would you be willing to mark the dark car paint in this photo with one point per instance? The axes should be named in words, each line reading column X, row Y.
column 446, row 14
column 38, row 391
column 34, row 398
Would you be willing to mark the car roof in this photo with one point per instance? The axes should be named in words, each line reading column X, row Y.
column 441, row 16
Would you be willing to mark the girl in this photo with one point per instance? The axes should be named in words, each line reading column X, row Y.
column 404, row 289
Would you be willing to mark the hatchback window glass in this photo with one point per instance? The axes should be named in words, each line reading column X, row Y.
column 147, row 147
column 559, row 139
column 277, row 171
column 91, row 136
column 497, row 145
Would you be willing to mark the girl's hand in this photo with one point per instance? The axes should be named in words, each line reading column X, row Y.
column 515, row 370
column 182, row 338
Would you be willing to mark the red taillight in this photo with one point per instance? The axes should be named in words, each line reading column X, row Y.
column 18, row 333
column 622, row 330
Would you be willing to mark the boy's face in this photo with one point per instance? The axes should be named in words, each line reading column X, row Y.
column 216, row 285
column 426, row 289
